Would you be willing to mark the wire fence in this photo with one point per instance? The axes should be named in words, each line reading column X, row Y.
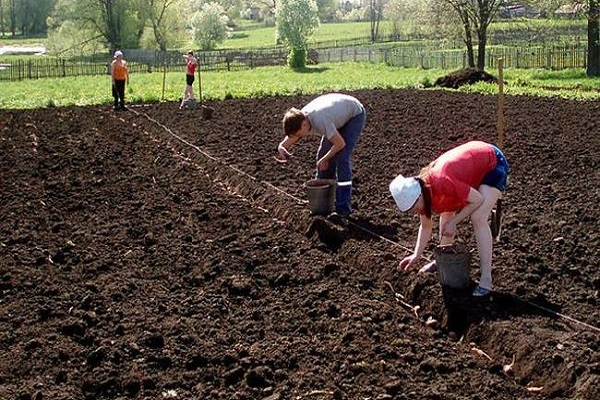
column 407, row 54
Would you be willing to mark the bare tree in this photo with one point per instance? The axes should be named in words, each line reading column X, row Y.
column 156, row 14
column 376, row 14
column 476, row 15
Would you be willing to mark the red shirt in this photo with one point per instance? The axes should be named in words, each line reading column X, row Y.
column 454, row 173
column 191, row 66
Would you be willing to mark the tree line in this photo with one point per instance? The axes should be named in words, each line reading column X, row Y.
column 92, row 25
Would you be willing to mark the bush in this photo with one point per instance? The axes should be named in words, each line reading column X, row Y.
column 297, row 58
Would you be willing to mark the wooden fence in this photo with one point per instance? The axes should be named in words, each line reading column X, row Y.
column 408, row 56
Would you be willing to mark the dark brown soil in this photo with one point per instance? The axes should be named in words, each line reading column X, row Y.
column 153, row 254
column 465, row 76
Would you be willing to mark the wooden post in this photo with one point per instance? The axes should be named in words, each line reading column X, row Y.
column 500, row 103
column 199, row 85
column 164, row 77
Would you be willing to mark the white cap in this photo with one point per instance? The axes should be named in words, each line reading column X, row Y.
column 118, row 53
column 405, row 192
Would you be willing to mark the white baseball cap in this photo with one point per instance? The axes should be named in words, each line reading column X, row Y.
column 118, row 53
column 405, row 191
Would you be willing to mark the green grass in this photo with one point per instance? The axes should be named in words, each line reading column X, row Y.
column 253, row 35
column 275, row 81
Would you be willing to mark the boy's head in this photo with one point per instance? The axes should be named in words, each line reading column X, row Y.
column 292, row 121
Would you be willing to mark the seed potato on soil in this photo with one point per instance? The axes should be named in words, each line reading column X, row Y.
column 144, row 259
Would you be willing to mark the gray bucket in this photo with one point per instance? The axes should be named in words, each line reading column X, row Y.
column 453, row 262
column 321, row 195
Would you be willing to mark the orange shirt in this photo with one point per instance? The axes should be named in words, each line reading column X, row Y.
column 119, row 70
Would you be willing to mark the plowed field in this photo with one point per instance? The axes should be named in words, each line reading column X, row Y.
column 153, row 254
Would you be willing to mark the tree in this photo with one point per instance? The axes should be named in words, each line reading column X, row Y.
column 209, row 26
column 31, row 16
column 296, row 20
column 118, row 22
column 376, row 15
column 593, row 61
column 1, row 18
column 476, row 15
column 163, row 18
column 327, row 9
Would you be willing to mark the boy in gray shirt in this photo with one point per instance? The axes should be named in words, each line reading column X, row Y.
column 339, row 119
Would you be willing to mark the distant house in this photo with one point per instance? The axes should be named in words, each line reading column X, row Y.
column 518, row 11
column 253, row 13
column 570, row 10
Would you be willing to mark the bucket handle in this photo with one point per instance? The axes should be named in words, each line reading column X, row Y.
column 452, row 248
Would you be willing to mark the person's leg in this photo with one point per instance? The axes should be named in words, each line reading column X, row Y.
column 191, row 85
column 115, row 95
column 121, row 90
column 483, row 233
column 185, row 96
column 351, row 133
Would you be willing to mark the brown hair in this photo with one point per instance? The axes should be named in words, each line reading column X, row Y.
column 425, row 189
column 292, row 121
column 191, row 53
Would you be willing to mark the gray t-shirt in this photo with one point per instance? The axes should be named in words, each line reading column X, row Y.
column 329, row 112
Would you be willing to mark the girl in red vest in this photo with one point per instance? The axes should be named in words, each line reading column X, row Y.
column 190, row 73
column 463, row 182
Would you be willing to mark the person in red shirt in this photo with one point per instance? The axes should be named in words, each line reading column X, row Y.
column 120, row 76
column 465, row 181
column 190, row 73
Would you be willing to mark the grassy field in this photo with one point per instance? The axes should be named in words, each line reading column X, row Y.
column 272, row 81
column 255, row 36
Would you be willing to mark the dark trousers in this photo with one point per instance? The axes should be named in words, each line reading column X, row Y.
column 118, row 92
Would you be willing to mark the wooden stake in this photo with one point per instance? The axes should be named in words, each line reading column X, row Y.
column 164, row 79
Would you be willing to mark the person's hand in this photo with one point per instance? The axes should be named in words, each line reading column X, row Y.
column 322, row 165
column 449, row 229
column 407, row 262
column 282, row 153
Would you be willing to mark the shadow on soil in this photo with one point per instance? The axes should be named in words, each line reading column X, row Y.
column 462, row 310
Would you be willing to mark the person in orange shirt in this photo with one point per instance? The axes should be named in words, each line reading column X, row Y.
column 190, row 73
column 120, row 76
column 464, row 182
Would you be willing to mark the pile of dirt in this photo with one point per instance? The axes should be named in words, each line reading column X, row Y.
column 154, row 254
column 465, row 76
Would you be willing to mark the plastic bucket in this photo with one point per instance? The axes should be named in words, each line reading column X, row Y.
column 452, row 262
column 321, row 195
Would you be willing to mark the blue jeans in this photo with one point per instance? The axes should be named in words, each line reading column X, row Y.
column 340, row 166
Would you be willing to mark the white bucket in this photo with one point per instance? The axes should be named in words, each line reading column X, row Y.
column 321, row 195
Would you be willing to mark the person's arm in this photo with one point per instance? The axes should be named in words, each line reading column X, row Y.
column 474, row 200
column 285, row 145
column 127, row 73
column 423, row 237
column 338, row 143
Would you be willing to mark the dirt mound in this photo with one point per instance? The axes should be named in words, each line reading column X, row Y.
column 154, row 254
column 465, row 76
